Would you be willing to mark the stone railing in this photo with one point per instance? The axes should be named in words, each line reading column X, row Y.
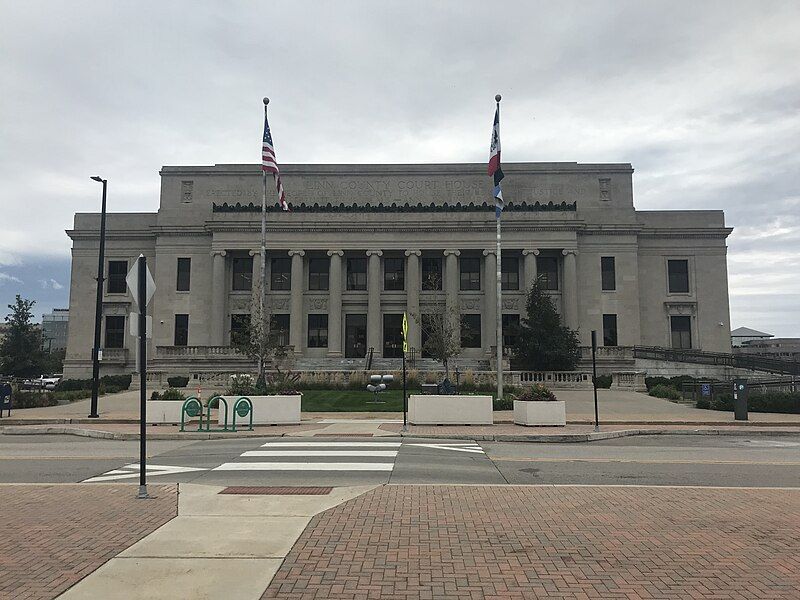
column 628, row 380
column 608, row 353
column 115, row 355
column 553, row 379
column 195, row 351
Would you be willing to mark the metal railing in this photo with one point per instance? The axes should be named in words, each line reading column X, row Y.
column 737, row 361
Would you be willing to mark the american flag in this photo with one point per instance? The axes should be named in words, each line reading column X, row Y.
column 270, row 165
column 495, row 171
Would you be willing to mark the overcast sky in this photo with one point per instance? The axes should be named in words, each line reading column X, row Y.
column 703, row 98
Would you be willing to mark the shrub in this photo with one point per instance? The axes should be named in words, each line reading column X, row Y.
column 240, row 385
column 506, row 403
column 665, row 391
column 536, row 393
column 179, row 381
column 111, row 382
column 703, row 403
column 774, row 402
column 71, row 395
column 156, row 395
column 32, row 400
column 603, row 381
column 172, row 394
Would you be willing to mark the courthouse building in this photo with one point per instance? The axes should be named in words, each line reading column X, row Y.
column 366, row 243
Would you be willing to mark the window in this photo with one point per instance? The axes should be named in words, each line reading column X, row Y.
column 609, row 330
column 509, row 275
column 280, row 277
column 547, row 269
column 115, row 331
column 510, row 330
column 184, row 274
column 392, row 336
column 393, row 274
column 318, row 274
column 470, row 274
column 279, row 325
column 242, row 273
column 117, row 271
column 357, row 274
column 431, row 273
column 681, row 329
column 317, row 331
column 678, row 276
column 240, row 328
column 470, row 331
column 181, row 330
column 608, row 273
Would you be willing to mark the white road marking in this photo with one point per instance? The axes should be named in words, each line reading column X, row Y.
column 309, row 466
column 331, row 444
column 359, row 421
column 131, row 471
column 455, row 448
column 275, row 453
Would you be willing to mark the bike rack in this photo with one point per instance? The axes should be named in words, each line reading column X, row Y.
column 192, row 408
column 243, row 407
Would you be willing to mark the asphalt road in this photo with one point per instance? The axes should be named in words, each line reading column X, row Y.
column 735, row 461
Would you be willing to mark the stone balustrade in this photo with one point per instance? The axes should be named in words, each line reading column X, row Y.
column 553, row 379
column 628, row 380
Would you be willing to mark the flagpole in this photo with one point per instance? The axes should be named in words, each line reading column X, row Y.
column 499, row 310
column 262, row 300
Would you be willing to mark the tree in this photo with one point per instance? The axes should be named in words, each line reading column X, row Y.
column 543, row 343
column 21, row 353
column 441, row 330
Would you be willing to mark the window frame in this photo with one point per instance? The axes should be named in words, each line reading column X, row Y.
column 319, row 280
column 120, row 331
column 608, row 320
column 506, row 279
column 509, row 338
column 183, row 330
column 180, row 285
column 608, row 277
column 429, row 276
column 315, row 331
column 117, row 279
column 281, row 331
column 670, row 290
column 541, row 275
column 284, row 279
column 241, row 277
column 687, row 331
column 472, row 278
column 244, row 318
column 471, row 338
column 396, row 277
column 356, row 279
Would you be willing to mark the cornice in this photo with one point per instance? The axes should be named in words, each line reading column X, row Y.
column 394, row 207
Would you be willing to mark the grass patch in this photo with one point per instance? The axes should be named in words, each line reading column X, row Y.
column 351, row 401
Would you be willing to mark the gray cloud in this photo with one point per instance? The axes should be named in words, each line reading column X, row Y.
column 701, row 97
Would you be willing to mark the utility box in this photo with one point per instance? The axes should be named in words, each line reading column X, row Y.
column 740, row 399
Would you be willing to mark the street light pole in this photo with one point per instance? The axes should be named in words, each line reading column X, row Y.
column 98, row 311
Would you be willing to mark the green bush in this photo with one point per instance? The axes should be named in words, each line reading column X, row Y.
column 506, row 403
column 32, row 400
column 116, row 383
column 774, row 402
column 665, row 391
column 703, row 403
column 172, row 394
column 179, row 381
column 603, row 381
column 536, row 393
column 71, row 395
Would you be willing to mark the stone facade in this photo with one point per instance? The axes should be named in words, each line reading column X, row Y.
column 359, row 249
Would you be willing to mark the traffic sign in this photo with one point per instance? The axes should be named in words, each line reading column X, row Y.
column 133, row 283
column 133, row 325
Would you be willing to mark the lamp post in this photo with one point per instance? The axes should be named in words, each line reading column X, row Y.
column 98, row 311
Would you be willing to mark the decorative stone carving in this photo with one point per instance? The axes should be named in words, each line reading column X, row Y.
column 374, row 252
column 280, row 303
column 318, row 303
column 453, row 252
column 567, row 251
column 186, row 191
column 239, row 303
column 470, row 304
column 218, row 253
column 511, row 303
column 680, row 308
column 394, row 207
column 488, row 252
column 297, row 252
column 527, row 251
column 605, row 188
column 336, row 252
column 413, row 252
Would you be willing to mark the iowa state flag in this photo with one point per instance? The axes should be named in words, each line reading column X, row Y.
column 495, row 170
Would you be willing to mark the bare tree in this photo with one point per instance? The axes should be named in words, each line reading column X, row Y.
column 440, row 327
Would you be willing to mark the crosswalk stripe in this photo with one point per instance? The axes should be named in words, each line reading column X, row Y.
column 307, row 466
column 332, row 444
column 365, row 453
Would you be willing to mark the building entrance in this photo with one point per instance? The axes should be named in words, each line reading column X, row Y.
column 355, row 335
column 392, row 336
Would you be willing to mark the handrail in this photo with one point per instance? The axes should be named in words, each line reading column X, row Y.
column 740, row 361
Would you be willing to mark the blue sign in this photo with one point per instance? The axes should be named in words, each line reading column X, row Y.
column 705, row 389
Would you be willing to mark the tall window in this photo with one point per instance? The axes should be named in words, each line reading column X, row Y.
column 510, row 330
column 608, row 273
column 681, row 329
column 318, row 274
column 678, row 271
column 431, row 273
column 470, row 274
column 183, row 278
column 280, row 277
column 470, row 331
column 115, row 331
column 393, row 274
column 317, row 331
column 357, row 274
column 242, row 273
column 240, row 328
column 547, row 268
column 117, row 271
column 509, row 275
column 609, row 330
column 181, row 330
column 279, row 325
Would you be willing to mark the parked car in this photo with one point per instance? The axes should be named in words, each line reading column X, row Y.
column 43, row 382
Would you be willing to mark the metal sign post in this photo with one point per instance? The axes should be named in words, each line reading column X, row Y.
column 594, row 380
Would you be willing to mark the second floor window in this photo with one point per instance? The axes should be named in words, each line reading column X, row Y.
column 242, row 273
column 547, row 269
column 678, row 273
column 117, row 271
column 281, row 273
column 318, row 273
column 608, row 273
column 470, row 274
column 393, row 274
column 357, row 274
column 183, row 278
column 510, row 272
column 431, row 273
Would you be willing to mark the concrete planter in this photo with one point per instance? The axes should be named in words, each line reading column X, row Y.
column 164, row 411
column 437, row 409
column 540, row 413
column 267, row 410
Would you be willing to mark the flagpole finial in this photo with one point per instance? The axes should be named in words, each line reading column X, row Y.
column 498, row 97
column 266, row 100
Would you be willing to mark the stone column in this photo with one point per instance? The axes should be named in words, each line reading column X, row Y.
column 374, row 325
column 218, row 292
column 296, row 325
column 335, row 304
column 569, row 294
column 413, row 282
column 451, row 278
column 529, row 266
column 489, row 317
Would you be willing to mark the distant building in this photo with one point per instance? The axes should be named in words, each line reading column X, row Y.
column 782, row 348
column 742, row 335
column 55, row 327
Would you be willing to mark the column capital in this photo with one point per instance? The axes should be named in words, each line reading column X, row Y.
column 297, row 252
column 255, row 252
column 218, row 253
column 413, row 253
column 488, row 252
column 374, row 252
column 453, row 252
column 568, row 251
column 336, row 252
column 527, row 251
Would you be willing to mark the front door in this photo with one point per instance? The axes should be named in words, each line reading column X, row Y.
column 355, row 335
column 393, row 336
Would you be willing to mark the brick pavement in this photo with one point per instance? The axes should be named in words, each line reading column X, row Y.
column 52, row 536
column 511, row 542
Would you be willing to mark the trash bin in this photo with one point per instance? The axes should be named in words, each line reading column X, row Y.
column 740, row 399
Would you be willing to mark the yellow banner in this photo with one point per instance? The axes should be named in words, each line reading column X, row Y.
column 405, row 333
